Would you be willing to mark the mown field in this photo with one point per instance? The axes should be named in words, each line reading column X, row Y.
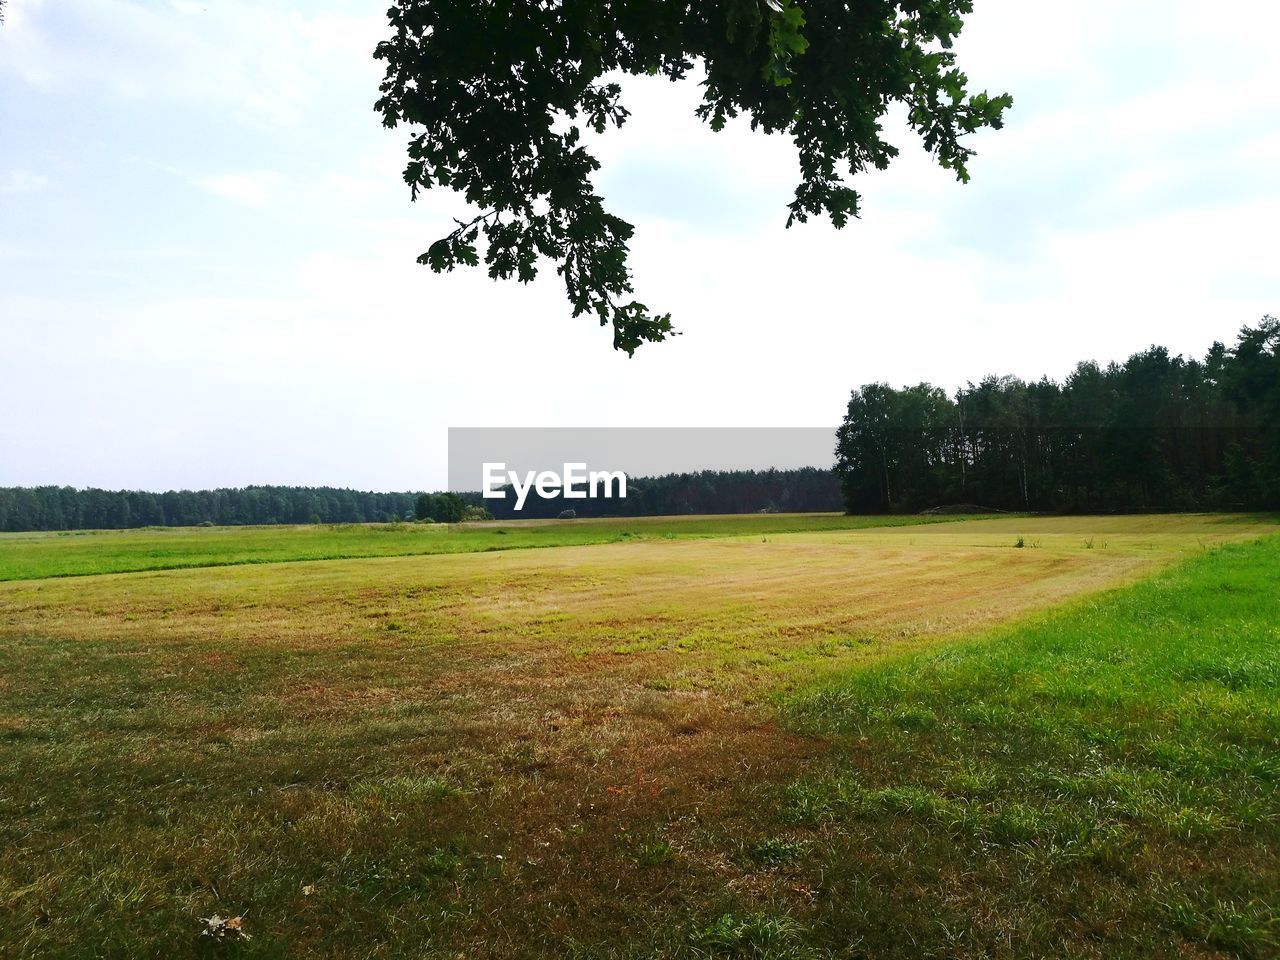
column 25, row 556
column 999, row 737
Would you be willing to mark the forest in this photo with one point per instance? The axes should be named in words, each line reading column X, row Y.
column 66, row 508
column 1157, row 432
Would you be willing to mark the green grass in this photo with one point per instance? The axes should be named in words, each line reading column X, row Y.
column 812, row 751
column 1105, row 777
column 28, row 556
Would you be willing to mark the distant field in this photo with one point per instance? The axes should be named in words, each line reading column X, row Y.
column 69, row 553
column 876, row 741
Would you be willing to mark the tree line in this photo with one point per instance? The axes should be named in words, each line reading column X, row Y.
column 66, row 508
column 1155, row 432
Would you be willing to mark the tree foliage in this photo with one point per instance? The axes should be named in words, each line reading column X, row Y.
column 499, row 94
column 440, row 507
column 1156, row 432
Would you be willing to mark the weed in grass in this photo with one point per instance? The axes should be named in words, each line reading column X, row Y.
column 772, row 851
column 655, row 853
column 758, row 935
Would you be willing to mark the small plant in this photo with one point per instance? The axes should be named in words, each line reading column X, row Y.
column 1020, row 542
column 755, row 934
column 655, row 854
column 775, row 850
column 440, row 863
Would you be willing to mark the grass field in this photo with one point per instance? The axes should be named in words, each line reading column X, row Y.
column 25, row 556
column 886, row 742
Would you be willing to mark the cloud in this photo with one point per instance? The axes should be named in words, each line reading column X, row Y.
column 263, row 188
column 270, row 62
column 253, row 189
column 22, row 181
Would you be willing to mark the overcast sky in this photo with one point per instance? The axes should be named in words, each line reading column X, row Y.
column 207, row 267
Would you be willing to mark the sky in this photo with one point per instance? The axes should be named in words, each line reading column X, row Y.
column 207, row 253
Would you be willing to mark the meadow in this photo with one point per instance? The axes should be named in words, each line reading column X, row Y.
column 25, row 556
column 752, row 737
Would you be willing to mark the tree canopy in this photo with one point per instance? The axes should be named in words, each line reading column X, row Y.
column 498, row 94
column 1156, row 432
column 444, row 507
